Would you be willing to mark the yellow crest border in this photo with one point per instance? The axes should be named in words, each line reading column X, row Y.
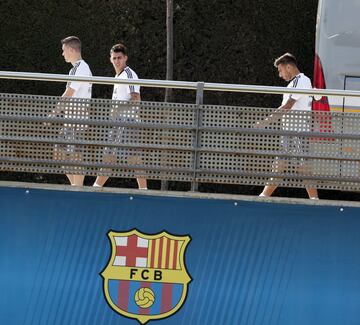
column 185, row 278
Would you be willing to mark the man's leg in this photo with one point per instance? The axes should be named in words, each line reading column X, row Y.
column 109, row 158
column 71, row 179
column 100, row 181
column 310, row 188
column 268, row 190
column 75, row 155
column 59, row 153
column 278, row 167
column 142, row 183
column 76, row 180
column 313, row 193
column 306, row 169
column 62, row 154
column 72, row 153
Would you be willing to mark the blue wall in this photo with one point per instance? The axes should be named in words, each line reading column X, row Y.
column 251, row 263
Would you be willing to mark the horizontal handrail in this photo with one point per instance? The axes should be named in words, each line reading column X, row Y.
column 208, row 86
column 97, row 80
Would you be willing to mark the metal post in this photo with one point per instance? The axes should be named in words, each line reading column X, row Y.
column 169, row 60
column 169, row 46
column 199, row 102
column 200, row 93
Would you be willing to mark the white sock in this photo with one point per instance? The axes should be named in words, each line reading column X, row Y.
column 314, row 198
column 96, row 185
column 143, row 188
column 262, row 195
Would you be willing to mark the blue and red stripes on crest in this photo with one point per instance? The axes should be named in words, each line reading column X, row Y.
column 167, row 296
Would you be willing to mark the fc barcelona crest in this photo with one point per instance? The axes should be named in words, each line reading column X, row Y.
column 146, row 277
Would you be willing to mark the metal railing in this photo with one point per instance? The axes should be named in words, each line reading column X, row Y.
column 182, row 142
column 204, row 86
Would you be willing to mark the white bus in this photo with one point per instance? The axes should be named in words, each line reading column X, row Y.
column 337, row 57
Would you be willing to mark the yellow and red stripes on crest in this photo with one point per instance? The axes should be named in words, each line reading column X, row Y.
column 164, row 253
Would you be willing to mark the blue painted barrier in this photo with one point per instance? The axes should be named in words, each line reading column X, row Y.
column 250, row 262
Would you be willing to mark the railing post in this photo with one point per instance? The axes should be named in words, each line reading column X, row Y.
column 200, row 93
column 199, row 102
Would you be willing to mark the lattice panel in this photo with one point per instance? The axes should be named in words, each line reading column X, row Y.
column 181, row 142
column 96, row 137
column 278, row 148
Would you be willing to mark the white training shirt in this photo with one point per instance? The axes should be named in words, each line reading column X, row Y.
column 82, row 89
column 79, row 109
column 292, row 122
column 122, row 91
column 303, row 102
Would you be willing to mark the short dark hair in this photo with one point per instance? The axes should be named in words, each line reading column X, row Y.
column 286, row 58
column 119, row 48
column 73, row 42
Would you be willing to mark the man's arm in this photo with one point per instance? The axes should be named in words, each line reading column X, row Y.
column 275, row 117
column 135, row 97
column 289, row 104
column 69, row 92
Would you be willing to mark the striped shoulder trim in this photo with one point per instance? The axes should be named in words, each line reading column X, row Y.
column 74, row 68
column 296, row 80
column 295, row 83
column 128, row 72
column 130, row 76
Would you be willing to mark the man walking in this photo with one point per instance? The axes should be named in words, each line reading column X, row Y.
column 288, row 70
column 71, row 51
column 128, row 93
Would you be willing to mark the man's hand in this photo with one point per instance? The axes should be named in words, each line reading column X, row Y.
column 135, row 97
column 56, row 112
column 51, row 115
column 261, row 124
column 273, row 118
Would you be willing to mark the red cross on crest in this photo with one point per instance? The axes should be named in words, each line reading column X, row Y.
column 132, row 251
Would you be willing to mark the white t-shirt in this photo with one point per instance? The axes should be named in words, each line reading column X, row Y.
column 122, row 91
column 303, row 102
column 77, row 109
column 82, row 89
column 292, row 122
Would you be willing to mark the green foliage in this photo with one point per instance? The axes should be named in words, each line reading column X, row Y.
column 227, row 41
column 216, row 41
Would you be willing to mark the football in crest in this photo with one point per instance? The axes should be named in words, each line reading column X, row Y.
column 144, row 297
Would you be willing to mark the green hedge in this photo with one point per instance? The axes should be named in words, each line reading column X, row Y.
column 229, row 41
column 216, row 41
